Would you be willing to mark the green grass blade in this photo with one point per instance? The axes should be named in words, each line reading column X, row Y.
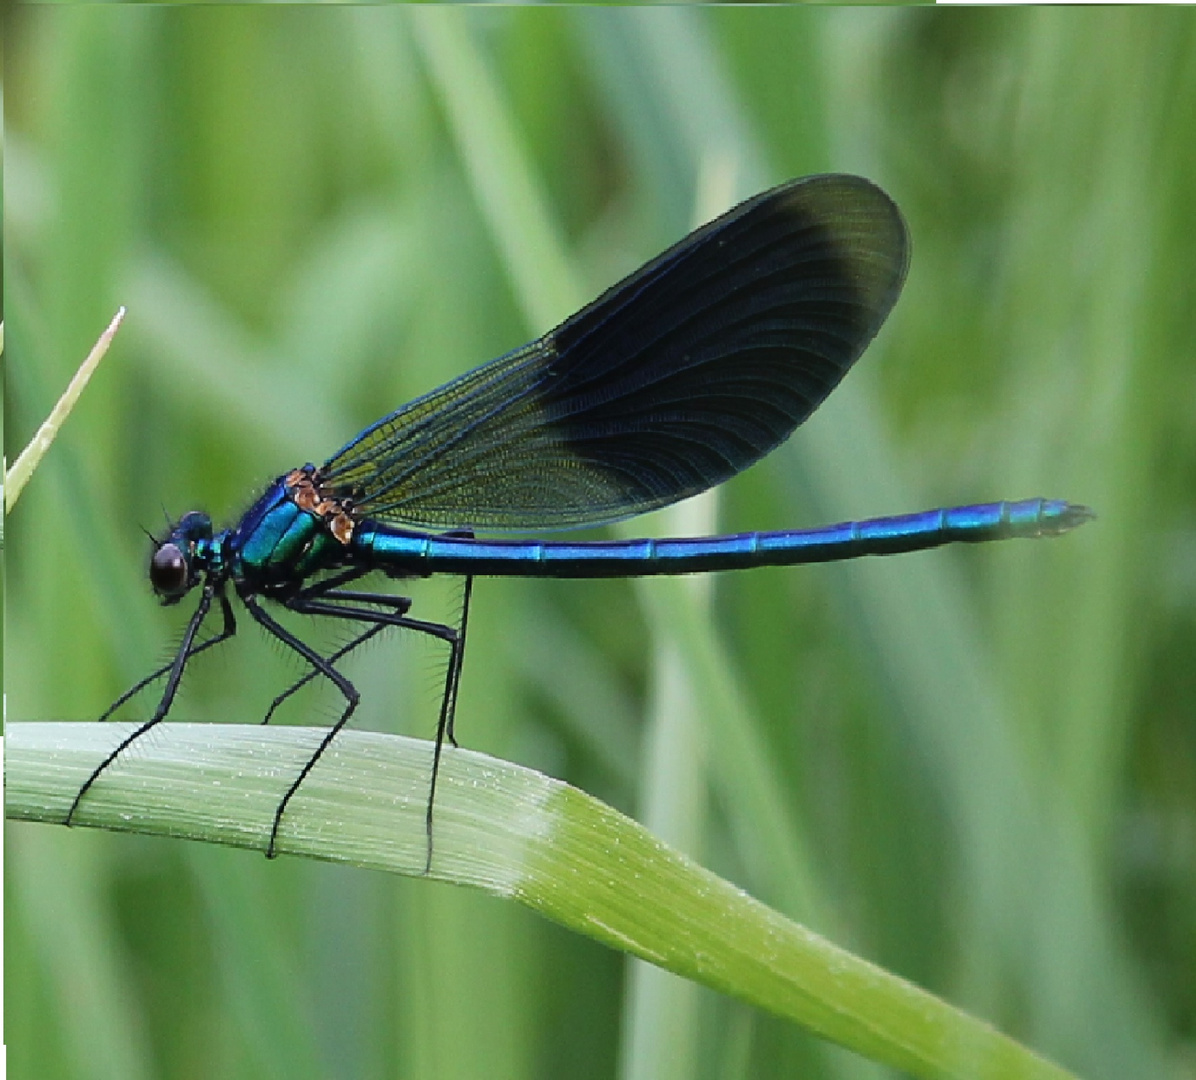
column 512, row 832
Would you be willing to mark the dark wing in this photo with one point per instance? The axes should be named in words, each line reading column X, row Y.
column 677, row 378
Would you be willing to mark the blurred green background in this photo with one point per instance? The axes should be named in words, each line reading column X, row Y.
column 983, row 759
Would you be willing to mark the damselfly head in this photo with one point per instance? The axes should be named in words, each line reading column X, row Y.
column 172, row 569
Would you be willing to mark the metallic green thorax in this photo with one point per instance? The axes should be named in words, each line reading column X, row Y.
column 278, row 543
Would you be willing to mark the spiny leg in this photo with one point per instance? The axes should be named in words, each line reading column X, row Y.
column 336, row 604
column 401, row 605
column 459, row 657
column 185, row 652
column 448, row 708
column 304, row 604
column 352, row 697
column 303, row 680
column 227, row 631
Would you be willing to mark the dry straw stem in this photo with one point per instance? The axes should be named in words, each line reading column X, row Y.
column 29, row 458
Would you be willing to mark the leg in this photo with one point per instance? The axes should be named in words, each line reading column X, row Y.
column 400, row 605
column 227, row 631
column 324, row 668
column 448, row 709
column 459, row 657
column 185, row 652
column 346, row 605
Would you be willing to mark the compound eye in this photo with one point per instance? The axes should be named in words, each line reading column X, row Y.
column 168, row 571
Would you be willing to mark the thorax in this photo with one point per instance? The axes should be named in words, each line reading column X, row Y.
column 286, row 536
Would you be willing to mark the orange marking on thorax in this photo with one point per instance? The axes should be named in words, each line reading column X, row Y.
column 306, row 494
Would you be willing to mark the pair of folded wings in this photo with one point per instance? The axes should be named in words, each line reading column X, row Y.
column 675, row 379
